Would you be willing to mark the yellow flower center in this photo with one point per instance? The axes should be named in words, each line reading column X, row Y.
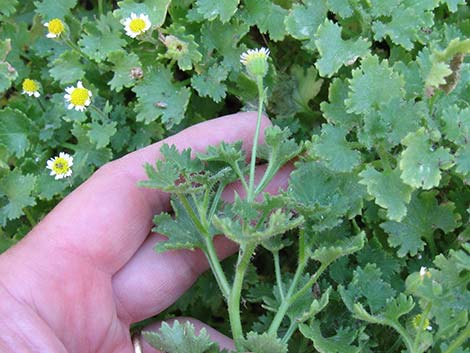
column 56, row 26
column 79, row 96
column 60, row 166
column 30, row 85
column 417, row 322
column 137, row 25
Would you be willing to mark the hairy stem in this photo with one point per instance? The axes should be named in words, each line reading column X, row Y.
column 244, row 257
column 251, row 185
column 30, row 217
column 277, row 268
column 421, row 327
column 464, row 335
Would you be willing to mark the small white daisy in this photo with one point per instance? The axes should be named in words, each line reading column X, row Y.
column 60, row 166
column 256, row 61
column 31, row 88
column 55, row 27
column 78, row 97
column 135, row 25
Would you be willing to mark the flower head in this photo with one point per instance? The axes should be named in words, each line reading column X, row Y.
column 418, row 323
column 424, row 272
column 60, row 166
column 31, row 88
column 256, row 62
column 55, row 27
column 78, row 97
column 135, row 25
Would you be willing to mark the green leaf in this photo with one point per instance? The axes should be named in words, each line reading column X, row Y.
column 181, row 47
column 341, row 7
column 456, row 124
column 209, row 83
column 100, row 134
column 7, row 7
column 423, row 218
column 335, row 111
column 181, row 338
column 462, row 159
column 452, row 5
column 211, row 9
column 267, row 16
column 174, row 172
column 17, row 189
column 389, row 191
column 421, row 163
column 333, row 150
column 15, row 131
column 180, row 230
column 304, row 19
column 7, row 72
column 327, row 197
column 328, row 254
column 372, row 85
column 124, row 63
column 67, row 68
column 339, row 343
column 102, row 37
column 159, row 97
column 49, row 9
column 336, row 52
column 155, row 9
column 263, row 343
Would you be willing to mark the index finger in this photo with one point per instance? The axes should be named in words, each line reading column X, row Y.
column 107, row 218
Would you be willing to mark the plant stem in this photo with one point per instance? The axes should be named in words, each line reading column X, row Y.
column 404, row 335
column 309, row 284
column 277, row 268
column 215, row 202
column 103, row 116
column 251, row 184
column 464, row 335
column 30, row 217
column 237, row 170
column 421, row 327
column 244, row 256
column 290, row 331
column 210, row 251
column 100, row 7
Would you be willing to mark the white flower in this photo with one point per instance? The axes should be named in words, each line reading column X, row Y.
column 60, row 166
column 78, row 97
column 31, row 88
column 256, row 61
column 424, row 272
column 55, row 27
column 136, row 25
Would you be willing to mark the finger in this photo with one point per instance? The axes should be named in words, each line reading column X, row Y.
column 107, row 218
column 150, row 282
column 223, row 341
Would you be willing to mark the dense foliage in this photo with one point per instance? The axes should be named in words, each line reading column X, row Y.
column 368, row 249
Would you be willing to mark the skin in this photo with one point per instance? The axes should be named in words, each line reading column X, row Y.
column 88, row 270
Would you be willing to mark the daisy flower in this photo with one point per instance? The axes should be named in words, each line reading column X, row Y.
column 31, row 88
column 55, row 27
column 78, row 97
column 60, row 166
column 256, row 61
column 135, row 25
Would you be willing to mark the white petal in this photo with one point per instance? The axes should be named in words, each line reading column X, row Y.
column 67, row 97
column 69, row 89
column 79, row 84
column 37, row 94
column 46, row 24
column 88, row 101
column 89, row 93
column 133, row 16
column 70, row 106
column 50, row 35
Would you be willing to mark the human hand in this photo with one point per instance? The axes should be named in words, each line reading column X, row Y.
column 87, row 271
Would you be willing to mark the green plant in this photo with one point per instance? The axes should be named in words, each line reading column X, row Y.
column 367, row 249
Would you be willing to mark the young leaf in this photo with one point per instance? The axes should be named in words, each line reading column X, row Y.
column 328, row 254
column 100, row 134
column 180, row 230
column 423, row 218
column 124, row 64
column 421, row 163
column 181, row 47
column 336, row 52
column 49, row 9
column 211, row 9
column 340, row 343
column 263, row 343
column 15, row 131
column 209, row 83
column 267, row 16
column 181, row 338
column 67, row 68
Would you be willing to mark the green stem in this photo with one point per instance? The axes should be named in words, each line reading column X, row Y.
column 100, row 7
column 72, row 46
column 309, row 284
column 287, row 300
column 383, row 155
column 251, row 184
column 215, row 202
column 41, row 105
column 69, row 146
column 421, row 327
column 237, row 170
column 103, row 116
column 244, row 257
column 464, row 335
column 30, row 217
column 290, row 331
column 277, row 268
column 405, row 336
column 210, row 251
